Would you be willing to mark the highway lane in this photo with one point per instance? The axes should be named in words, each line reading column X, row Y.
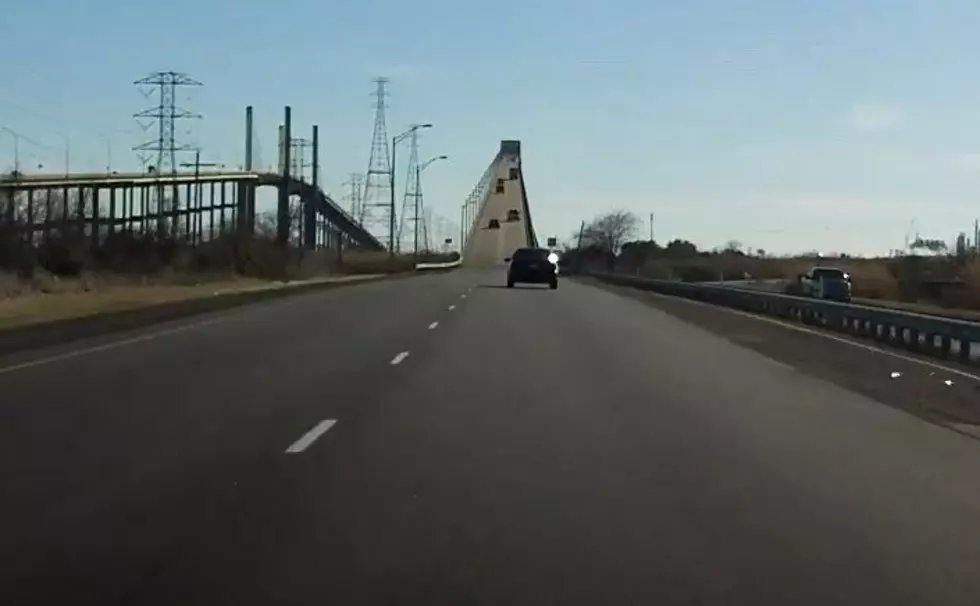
column 105, row 455
column 536, row 446
column 943, row 391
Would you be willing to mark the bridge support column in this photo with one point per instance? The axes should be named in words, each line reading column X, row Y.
column 95, row 225
column 283, row 227
column 245, row 209
column 309, row 212
column 113, row 212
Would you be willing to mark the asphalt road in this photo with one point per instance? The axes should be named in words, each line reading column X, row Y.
column 533, row 447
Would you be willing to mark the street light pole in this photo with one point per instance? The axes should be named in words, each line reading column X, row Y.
column 391, row 205
column 418, row 199
column 67, row 152
column 418, row 195
column 16, row 137
column 108, row 154
column 462, row 223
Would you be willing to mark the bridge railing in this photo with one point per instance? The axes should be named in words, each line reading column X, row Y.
column 931, row 335
column 481, row 192
column 437, row 266
column 532, row 238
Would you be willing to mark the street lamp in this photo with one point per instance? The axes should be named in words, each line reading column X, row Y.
column 67, row 141
column 108, row 153
column 418, row 194
column 462, row 226
column 391, row 215
column 16, row 137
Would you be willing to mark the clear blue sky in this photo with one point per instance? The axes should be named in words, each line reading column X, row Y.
column 787, row 125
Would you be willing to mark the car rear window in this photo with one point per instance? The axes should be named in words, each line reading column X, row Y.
column 828, row 273
column 531, row 254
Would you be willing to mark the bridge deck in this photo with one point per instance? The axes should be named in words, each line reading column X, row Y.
column 489, row 247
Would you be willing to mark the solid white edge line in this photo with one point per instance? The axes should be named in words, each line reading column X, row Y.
column 398, row 359
column 307, row 439
column 107, row 346
column 433, row 325
column 825, row 335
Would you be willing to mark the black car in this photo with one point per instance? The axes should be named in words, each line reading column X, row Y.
column 493, row 224
column 532, row 266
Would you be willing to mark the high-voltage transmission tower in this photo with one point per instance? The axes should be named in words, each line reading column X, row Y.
column 356, row 185
column 410, row 202
column 297, row 158
column 297, row 155
column 165, row 114
column 375, row 208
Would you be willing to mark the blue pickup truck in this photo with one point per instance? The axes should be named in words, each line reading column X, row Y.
column 821, row 282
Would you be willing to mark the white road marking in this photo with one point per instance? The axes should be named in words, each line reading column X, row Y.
column 106, row 346
column 433, row 325
column 452, row 307
column 832, row 337
column 311, row 436
column 398, row 359
column 462, row 296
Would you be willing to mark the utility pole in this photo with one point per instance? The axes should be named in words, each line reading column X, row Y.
column 651, row 227
column 197, row 192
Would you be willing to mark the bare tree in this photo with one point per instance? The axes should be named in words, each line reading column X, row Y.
column 733, row 246
column 611, row 230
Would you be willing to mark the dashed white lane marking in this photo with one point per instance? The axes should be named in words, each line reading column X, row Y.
column 452, row 307
column 398, row 359
column 311, row 436
column 106, row 346
column 433, row 325
column 462, row 296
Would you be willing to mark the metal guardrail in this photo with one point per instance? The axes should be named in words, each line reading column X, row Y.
column 447, row 265
column 936, row 336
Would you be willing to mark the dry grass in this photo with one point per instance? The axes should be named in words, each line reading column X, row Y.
column 44, row 296
column 913, row 282
column 100, row 297
column 67, row 271
column 871, row 277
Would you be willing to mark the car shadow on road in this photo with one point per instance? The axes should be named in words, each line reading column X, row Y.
column 522, row 286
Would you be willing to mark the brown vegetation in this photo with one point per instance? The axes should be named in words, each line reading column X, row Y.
column 951, row 281
column 67, row 253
